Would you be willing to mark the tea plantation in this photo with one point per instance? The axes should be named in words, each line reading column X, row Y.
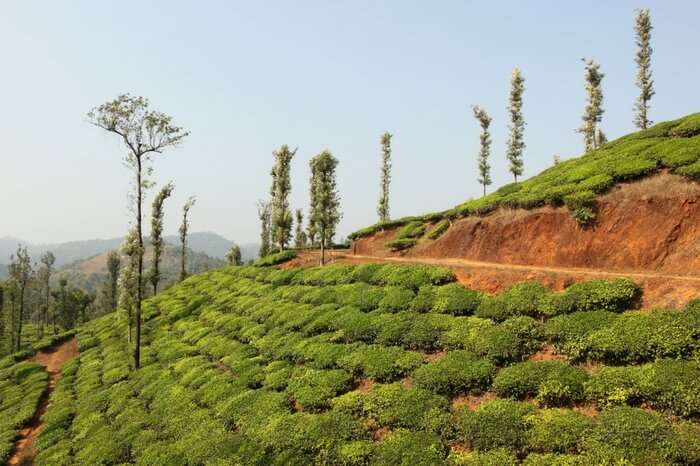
column 575, row 183
column 377, row 365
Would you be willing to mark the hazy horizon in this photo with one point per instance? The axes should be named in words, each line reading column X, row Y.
column 246, row 78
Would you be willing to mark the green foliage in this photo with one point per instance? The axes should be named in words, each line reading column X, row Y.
column 457, row 300
column 552, row 383
column 394, row 406
column 521, row 299
column 275, row 259
column 557, row 430
column 439, row 229
column 457, row 372
column 497, row 424
column 406, row 448
column 313, row 389
column 401, row 244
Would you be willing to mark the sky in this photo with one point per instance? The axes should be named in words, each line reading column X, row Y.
column 246, row 77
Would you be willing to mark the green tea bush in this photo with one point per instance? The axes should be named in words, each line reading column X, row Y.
column 411, row 230
column 380, row 362
column 438, row 230
column 497, row 424
column 455, row 299
column 640, row 436
column 396, row 299
column 394, row 406
column 313, row 389
column 275, row 259
column 496, row 457
column 557, row 430
column 553, row 383
column 425, row 299
column 412, row 276
column 457, row 372
column 404, row 448
column 401, row 244
column 521, row 299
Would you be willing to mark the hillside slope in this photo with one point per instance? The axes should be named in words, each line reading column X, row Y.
column 380, row 365
column 587, row 212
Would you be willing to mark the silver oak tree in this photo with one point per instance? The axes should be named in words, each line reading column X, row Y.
column 281, row 215
column 184, row 230
column 385, row 180
column 324, row 213
column 593, row 111
column 484, row 146
column 645, row 83
column 157, row 242
column 516, row 143
column 144, row 132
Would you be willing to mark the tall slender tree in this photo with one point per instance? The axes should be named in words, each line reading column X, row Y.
column 516, row 144
column 184, row 229
column 264, row 216
column 300, row 235
column 157, row 214
column 385, row 181
column 593, row 112
column 233, row 256
column 144, row 132
column 113, row 265
column 281, row 215
column 47, row 262
column 645, row 83
column 21, row 272
column 128, row 278
column 484, row 146
column 324, row 213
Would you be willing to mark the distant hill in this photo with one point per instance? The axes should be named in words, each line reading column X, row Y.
column 208, row 243
column 89, row 273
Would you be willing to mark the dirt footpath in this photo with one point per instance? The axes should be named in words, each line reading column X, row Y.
column 53, row 359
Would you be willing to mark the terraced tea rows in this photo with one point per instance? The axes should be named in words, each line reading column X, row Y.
column 382, row 365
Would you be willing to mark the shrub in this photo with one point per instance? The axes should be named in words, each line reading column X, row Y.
column 603, row 295
column 497, row 457
column 513, row 340
column 313, row 389
column 394, row 406
column 689, row 127
column 612, row 386
column 497, row 424
column 520, row 299
column 412, row 276
column 457, row 300
column 275, row 259
column 413, row 229
column 554, row 383
column 381, row 363
column 425, row 299
column 401, row 244
column 456, row 372
column 406, row 448
column 569, row 332
column 439, row 229
column 557, row 430
column 396, row 299
column 581, row 205
column 642, row 437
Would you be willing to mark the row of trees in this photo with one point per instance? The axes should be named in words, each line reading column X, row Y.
column 276, row 216
column 28, row 295
column 593, row 136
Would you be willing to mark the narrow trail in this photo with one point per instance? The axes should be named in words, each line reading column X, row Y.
column 53, row 360
column 522, row 268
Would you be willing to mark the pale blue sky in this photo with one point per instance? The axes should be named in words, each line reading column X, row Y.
column 246, row 77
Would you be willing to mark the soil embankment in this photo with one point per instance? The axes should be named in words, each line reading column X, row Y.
column 650, row 225
column 53, row 360
column 648, row 230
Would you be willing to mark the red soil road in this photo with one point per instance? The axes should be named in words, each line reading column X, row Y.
column 53, row 360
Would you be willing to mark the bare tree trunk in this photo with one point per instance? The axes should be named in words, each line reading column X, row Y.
column 137, row 347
